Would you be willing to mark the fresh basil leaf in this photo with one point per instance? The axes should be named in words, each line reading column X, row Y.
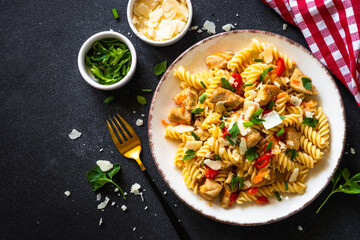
column 234, row 131
column 160, row 68
column 263, row 74
column 251, row 153
column 197, row 110
column 189, row 154
column 310, row 121
column 306, row 83
column 141, row 100
column 226, row 84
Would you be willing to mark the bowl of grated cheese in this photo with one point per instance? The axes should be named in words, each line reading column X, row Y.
column 159, row 23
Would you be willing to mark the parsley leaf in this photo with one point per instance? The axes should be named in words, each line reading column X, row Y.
column 293, row 153
column 236, row 180
column 310, row 121
column 226, row 84
column 251, row 153
column 197, row 110
column 189, row 154
column 306, row 83
column 98, row 178
column 160, row 68
column 202, row 98
column 141, row 100
column 263, row 74
column 351, row 185
column 234, row 131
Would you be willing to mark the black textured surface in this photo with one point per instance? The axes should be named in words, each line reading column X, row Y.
column 43, row 97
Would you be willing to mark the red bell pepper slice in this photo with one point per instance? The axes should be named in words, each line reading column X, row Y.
column 280, row 67
column 262, row 200
column 211, row 173
column 237, row 83
column 233, row 198
column 253, row 190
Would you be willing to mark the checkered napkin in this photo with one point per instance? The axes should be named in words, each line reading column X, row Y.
column 332, row 30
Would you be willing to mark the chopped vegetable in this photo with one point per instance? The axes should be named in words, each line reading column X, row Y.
column 263, row 161
column 280, row 132
column 262, row 200
column 270, row 105
column 217, row 157
column 195, row 136
column 277, row 196
column 251, row 153
column 256, row 120
column 293, row 153
column 351, row 185
column 211, row 173
column 141, row 100
column 160, row 68
column 202, row 98
column 109, row 99
column 233, row 198
column 253, row 190
column 146, row 90
column 234, row 131
column 115, row 13
column 306, row 83
column 286, row 185
column 258, row 60
column 280, row 67
column 109, row 60
column 268, row 146
column 260, row 176
column 248, row 84
column 222, row 125
column 189, row 154
column 226, row 84
column 310, row 121
column 197, row 110
column 203, row 84
column 229, row 139
column 258, row 112
column 263, row 74
column 237, row 83
column 98, row 178
column 282, row 117
column 248, row 124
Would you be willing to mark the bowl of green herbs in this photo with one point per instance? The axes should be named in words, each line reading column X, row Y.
column 107, row 60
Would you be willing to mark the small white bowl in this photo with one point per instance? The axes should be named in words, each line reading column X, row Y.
column 130, row 11
column 85, row 70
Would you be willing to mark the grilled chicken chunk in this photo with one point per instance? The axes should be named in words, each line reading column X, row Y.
column 188, row 97
column 292, row 138
column 203, row 134
column 231, row 100
column 218, row 60
column 179, row 115
column 252, row 138
column 267, row 93
column 210, row 189
column 297, row 84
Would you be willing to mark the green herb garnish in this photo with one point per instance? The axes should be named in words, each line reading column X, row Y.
column 160, row 68
column 258, row 112
column 258, row 60
column 270, row 105
column 256, row 120
column 263, row 74
column 251, row 153
column 217, row 157
column 141, row 100
column 280, row 132
column 248, row 124
column 248, row 84
column 236, row 180
column 98, row 178
column 203, row 84
column 306, row 82
column 109, row 60
column 195, row 136
column 226, row 84
column 146, row 90
column 189, row 154
column 351, row 185
column 229, row 139
column 234, row 131
column 293, row 153
column 109, row 99
column 197, row 110
column 115, row 13
column 286, row 185
column 282, row 117
column 202, row 98
column 268, row 147
column 222, row 125
column 277, row 196
column 310, row 121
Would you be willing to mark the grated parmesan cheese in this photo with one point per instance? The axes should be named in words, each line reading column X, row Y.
column 268, row 53
column 74, row 134
column 309, row 114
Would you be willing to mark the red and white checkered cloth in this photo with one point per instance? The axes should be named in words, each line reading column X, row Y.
column 332, row 30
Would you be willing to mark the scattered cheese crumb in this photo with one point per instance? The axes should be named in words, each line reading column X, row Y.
column 113, row 204
column 165, row 192
column 285, row 26
column 227, row 27
column 210, row 27
column 194, row 27
column 101, row 150
column 143, row 115
column 295, row 101
column 74, row 134
column 123, row 207
column 67, row 193
column 352, row 150
column 100, row 222
column 175, row 205
column 199, row 31
column 300, row 228
column 235, row 24
column 346, row 153
column 237, row 15
column 104, row 165
column 139, row 122
column 146, row 207
column 125, row 193
column 103, row 204
column 134, row 112
column 309, row 114
column 116, row 190
column 98, row 197
column 134, row 229
column 135, row 189
column 141, row 195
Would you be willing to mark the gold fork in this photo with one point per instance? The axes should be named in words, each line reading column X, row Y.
column 130, row 147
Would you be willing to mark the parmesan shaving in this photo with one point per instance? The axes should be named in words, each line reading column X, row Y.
column 272, row 119
column 183, row 128
column 294, row 175
column 295, row 101
column 193, row 145
column 228, row 27
column 74, row 134
column 267, row 54
column 210, row 27
column 215, row 165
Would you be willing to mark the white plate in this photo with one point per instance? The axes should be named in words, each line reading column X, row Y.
column 163, row 150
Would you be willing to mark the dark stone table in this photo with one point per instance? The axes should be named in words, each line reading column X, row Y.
column 43, row 97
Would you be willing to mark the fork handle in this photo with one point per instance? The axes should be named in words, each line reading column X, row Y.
column 178, row 227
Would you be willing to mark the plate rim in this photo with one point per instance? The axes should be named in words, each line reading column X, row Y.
column 165, row 75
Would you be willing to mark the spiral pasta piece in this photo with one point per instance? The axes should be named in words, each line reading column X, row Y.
column 179, row 156
column 245, row 196
column 171, row 133
column 187, row 77
column 310, row 148
column 293, row 187
column 239, row 60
